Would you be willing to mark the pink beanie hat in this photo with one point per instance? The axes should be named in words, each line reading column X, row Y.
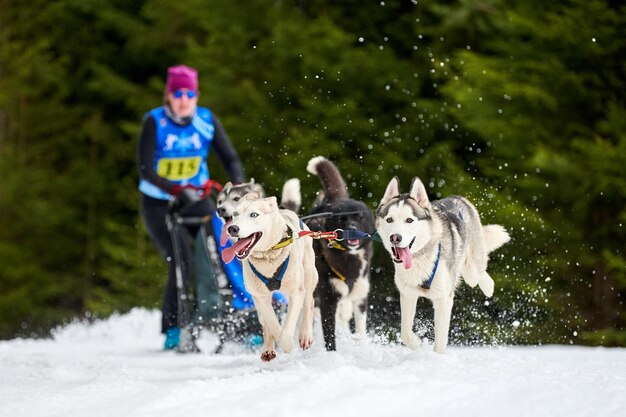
column 181, row 76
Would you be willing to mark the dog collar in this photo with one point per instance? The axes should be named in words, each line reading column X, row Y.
column 285, row 241
column 335, row 245
column 426, row 285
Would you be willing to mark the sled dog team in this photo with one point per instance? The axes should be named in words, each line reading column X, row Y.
column 325, row 260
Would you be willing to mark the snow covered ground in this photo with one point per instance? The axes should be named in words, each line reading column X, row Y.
column 116, row 368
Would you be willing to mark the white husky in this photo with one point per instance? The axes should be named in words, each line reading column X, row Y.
column 274, row 259
column 432, row 246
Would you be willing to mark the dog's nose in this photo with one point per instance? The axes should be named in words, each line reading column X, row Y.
column 395, row 239
column 233, row 230
column 221, row 211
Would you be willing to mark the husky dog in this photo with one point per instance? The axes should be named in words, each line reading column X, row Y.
column 343, row 266
column 274, row 259
column 432, row 246
column 228, row 199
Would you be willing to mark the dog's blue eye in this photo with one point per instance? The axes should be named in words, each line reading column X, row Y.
column 389, row 220
column 409, row 220
column 254, row 215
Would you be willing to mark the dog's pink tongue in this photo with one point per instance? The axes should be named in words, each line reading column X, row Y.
column 405, row 256
column 224, row 235
column 228, row 254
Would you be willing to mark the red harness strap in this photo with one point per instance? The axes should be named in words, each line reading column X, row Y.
column 318, row 235
column 208, row 186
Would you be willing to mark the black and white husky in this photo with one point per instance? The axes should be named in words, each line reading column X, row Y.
column 343, row 266
column 432, row 245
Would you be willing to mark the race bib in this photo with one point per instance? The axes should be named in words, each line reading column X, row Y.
column 176, row 169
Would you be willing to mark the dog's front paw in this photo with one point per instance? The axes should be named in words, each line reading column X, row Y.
column 345, row 311
column 411, row 340
column 286, row 343
column 306, row 340
column 268, row 355
column 358, row 337
column 439, row 347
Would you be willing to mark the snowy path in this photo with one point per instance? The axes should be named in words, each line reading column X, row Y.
column 115, row 368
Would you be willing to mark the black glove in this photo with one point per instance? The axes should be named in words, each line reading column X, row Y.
column 188, row 196
column 185, row 196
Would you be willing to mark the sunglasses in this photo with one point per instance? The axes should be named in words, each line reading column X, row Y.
column 189, row 93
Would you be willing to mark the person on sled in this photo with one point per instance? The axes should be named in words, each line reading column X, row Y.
column 173, row 147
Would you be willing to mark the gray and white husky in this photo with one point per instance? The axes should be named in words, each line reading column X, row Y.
column 230, row 197
column 432, row 245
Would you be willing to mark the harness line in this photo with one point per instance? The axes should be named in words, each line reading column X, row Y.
column 339, row 275
column 313, row 235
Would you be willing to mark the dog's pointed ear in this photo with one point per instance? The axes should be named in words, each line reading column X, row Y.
column 227, row 185
column 273, row 202
column 393, row 189
column 258, row 188
column 418, row 192
column 251, row 181
column 252, row 196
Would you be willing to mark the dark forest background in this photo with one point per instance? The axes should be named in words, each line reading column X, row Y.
column 519, row 105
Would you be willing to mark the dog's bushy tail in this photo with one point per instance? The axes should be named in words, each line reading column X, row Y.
column 495, row 236
column 332, row 182
column 291, row 198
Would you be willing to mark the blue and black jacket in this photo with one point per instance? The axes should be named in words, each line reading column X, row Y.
column 171, row 153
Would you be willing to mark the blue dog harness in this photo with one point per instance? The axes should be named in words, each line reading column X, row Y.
column 426, row 285
column 272, row 284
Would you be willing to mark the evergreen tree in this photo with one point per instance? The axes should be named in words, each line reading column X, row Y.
column 66, row 166
column 542, row 100
column 517, row 105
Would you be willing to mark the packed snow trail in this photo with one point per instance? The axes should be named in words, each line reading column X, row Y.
column 116, row 368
